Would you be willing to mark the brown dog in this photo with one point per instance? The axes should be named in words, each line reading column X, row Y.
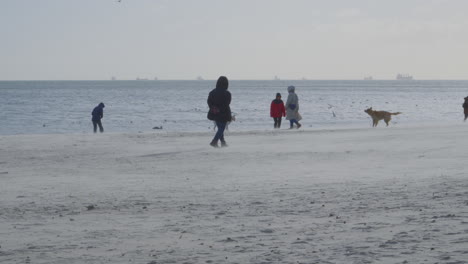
column 379, row 115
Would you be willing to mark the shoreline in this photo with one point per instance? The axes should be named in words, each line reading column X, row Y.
column 304, row 128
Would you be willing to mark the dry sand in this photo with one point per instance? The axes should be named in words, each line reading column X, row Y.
column 385, row 195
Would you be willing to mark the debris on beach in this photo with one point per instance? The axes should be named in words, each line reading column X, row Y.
column 158, row 127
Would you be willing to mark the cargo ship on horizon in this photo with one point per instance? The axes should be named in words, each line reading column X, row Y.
column 404, row 77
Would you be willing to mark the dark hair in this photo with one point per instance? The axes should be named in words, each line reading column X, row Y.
column 278, row 94
column 222, row 83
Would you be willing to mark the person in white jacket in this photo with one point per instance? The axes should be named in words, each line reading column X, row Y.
column 292, row 108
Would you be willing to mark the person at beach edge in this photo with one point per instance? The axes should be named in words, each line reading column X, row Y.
column 292, row 108
column 465, row 108
column 218, row 101
column 98, row 114
column 277, row 110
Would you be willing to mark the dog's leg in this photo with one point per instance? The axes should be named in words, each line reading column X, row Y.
column 387, row 120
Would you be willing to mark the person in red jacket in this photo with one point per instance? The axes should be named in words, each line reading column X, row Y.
column 277, row 110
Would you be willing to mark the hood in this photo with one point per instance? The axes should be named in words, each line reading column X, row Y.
column 222, row 83
column 101, row 105
column 291, row 89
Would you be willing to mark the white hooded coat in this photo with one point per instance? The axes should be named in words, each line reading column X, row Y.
column 292, row 105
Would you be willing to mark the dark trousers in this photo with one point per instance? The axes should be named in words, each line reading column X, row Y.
column 97, row 123
column 220, row 133
column 277, row 122
column 293, row 121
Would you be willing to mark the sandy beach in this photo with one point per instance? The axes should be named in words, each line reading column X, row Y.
column 384, row 195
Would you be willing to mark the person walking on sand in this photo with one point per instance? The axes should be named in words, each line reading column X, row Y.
column 98, row 114
column 465, row 108
column 218, row 101
column 277, row 110
column 292, row 108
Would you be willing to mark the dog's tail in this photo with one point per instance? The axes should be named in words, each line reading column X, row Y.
column 397, row 113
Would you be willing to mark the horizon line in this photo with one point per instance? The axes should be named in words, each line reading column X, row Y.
column 273, row 80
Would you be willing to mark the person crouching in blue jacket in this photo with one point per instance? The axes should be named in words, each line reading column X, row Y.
column 98, row 114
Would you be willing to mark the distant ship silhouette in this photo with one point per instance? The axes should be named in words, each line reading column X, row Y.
column 404, row 77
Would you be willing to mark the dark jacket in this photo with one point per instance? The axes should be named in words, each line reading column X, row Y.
column 277, row 108
column 218, row 101
column 98, row 112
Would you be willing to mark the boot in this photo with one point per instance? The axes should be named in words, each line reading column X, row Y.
column 214, row 144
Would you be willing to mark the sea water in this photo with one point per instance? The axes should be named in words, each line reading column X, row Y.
column 38, row 107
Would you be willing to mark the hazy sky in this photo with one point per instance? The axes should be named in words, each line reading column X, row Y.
column 242, row 39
